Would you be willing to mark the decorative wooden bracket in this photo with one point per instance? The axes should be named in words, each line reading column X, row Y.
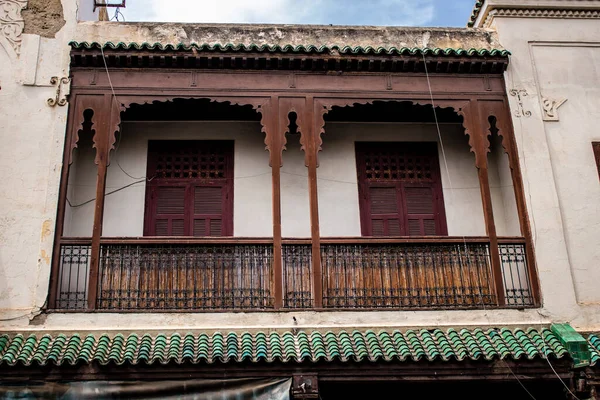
column 60, row 97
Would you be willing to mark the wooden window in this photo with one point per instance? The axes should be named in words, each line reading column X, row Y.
column 191, row 188
column 596, row 147
column 400, row 189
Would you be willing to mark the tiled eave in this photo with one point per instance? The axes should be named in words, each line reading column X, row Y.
column 288, row 57
column 475, row 13
column 286, row 347
column 594, row 341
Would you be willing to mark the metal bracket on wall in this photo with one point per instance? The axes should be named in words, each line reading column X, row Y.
column 519, row 94
column 60, row 97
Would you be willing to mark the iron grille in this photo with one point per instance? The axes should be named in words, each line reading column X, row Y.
column 185, row 277
column 297, row 266
column 515, row 275
column 73, row 277
column 407, row 276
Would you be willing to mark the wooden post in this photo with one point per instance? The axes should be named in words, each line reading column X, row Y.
column 505, row 129
column 75, row 116
column 480, row 146
column 275, row 144
column 312, row 150
column 106, row 118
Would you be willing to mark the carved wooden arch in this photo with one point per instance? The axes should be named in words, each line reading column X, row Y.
column 104, row 118
column 98, row 104
column 461, row 107
column 490, row 108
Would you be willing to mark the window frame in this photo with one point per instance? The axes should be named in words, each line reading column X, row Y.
column 364, row 184
column 189, row 183
column 596, row 149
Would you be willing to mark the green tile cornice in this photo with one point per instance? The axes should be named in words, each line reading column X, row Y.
column 302, row 49
column 296, row 346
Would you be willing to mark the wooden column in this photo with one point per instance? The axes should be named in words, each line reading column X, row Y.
column 105, row 121
column 74, row 120
column 312, row 146
column 478, row 129
column 501, row 111
column 275, row 145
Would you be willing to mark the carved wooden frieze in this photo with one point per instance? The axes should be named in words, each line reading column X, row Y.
column 11, row 25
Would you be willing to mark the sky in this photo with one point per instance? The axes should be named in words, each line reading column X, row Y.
column 445, row 13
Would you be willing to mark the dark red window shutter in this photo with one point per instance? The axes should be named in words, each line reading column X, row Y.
column 400, row 189
column 169, row 202
column 596, row 147
column 385, row 212
column 420, row 214
column 191, row 190
column 208, row 210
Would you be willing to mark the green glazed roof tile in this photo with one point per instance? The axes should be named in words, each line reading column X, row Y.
column 311, row 346
column 594, row 342
column 230, row 47
column 475, row 12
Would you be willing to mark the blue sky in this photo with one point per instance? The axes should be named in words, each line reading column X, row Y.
column 338, row 12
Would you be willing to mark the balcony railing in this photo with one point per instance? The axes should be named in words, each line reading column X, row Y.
column 161, row 274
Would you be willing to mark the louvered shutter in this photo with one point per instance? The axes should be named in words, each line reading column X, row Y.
column 385, row 211
column 208, row 210
column 191, row 190
column 169, row 211
column 400, row 189
column 420, row 214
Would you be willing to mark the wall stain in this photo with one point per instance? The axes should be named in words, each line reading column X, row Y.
column 46, row 229
column 43, row 17
column 45, row 257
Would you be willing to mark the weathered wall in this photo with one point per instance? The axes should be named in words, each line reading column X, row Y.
column 556, row 59
column 560, row 182
column 32, row 133
column 337, row 185
column 43, row 17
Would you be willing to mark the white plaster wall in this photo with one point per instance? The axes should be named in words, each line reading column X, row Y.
column 504, row 204
column 124, row 209
column 561, row 188
column 558, row 58
column 32, row 134
column 337, row 185
column 337, row 179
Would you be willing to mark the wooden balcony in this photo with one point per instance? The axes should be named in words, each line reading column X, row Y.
column 235, row 274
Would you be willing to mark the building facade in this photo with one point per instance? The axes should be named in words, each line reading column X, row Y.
column 286, row 209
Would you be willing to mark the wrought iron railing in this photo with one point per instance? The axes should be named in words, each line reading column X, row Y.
column 185, row 276
column 515, row 274
column 238, row 274
column 73, row 276
column 297, row 276
column 399, row 276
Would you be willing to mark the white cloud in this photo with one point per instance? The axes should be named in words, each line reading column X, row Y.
column 346, row 12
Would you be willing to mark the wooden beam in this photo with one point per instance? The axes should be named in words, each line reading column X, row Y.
column 312, row 148
column 276, row 147
column 105, row 121
column 480, row 146
column 505, row 126
column 74, row 119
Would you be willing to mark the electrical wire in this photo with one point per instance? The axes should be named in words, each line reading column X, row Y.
column 106, row 194
column 464, row 237
column 534, row 238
